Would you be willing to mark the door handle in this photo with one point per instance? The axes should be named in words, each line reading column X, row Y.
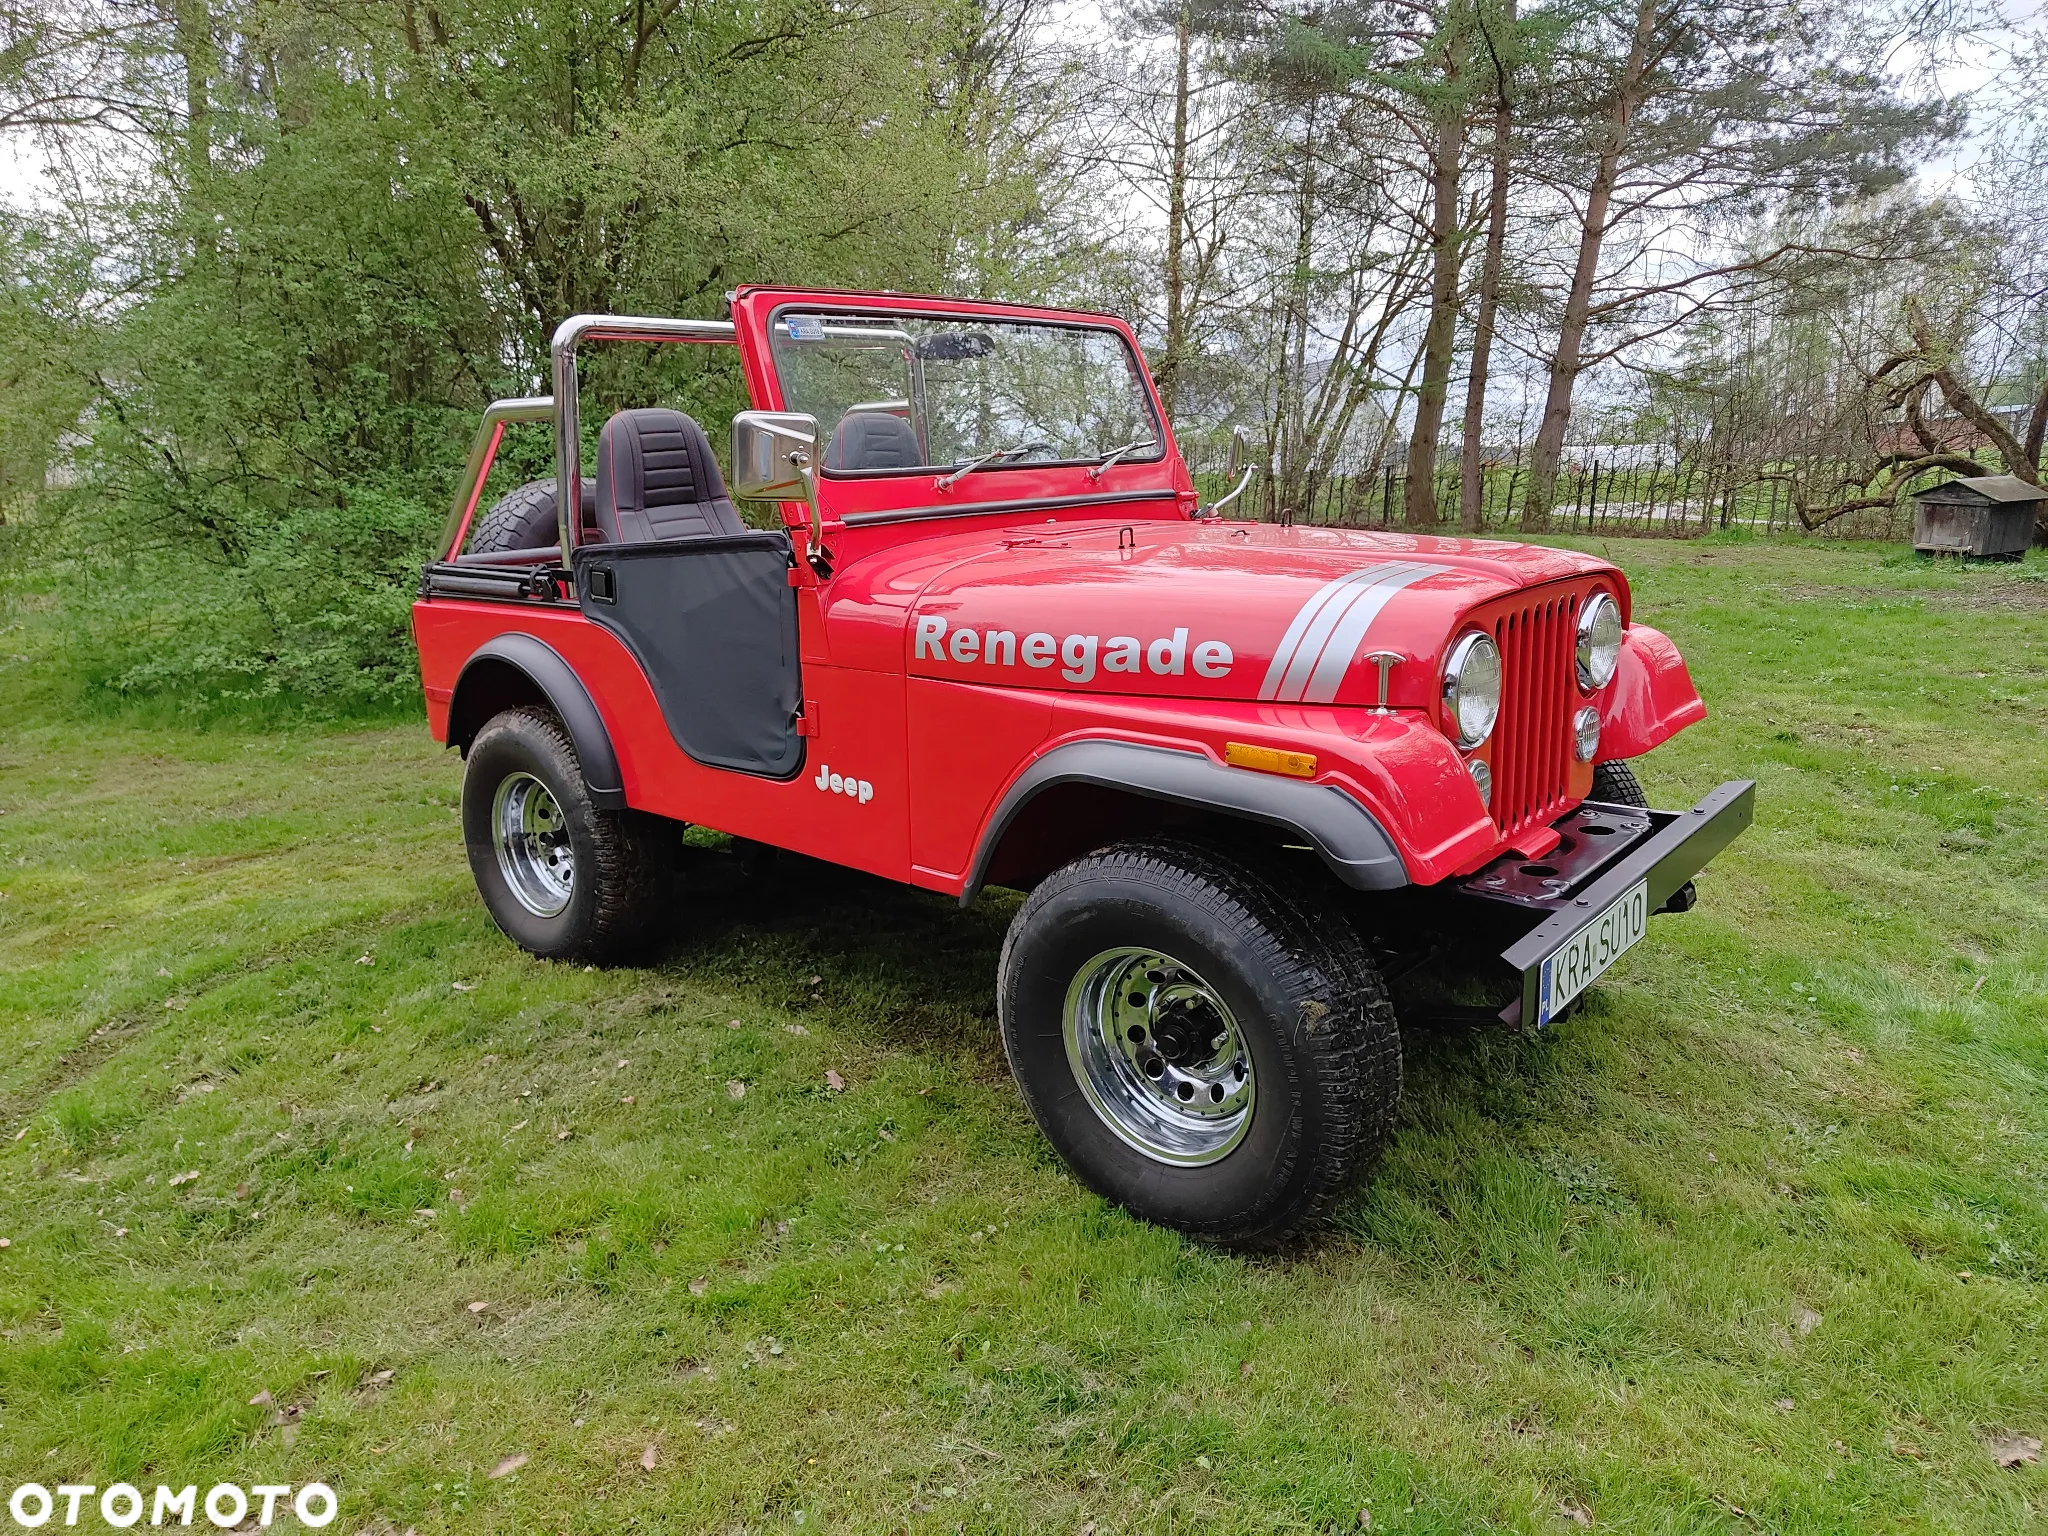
column 598, row 582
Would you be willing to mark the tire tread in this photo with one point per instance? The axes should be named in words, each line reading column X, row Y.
column 517, row 520
column 1615, row 783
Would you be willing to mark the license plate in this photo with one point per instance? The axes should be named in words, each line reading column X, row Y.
column 1591, row 950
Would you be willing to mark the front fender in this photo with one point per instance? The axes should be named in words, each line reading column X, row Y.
column 1351, row 841
column 1651, row 698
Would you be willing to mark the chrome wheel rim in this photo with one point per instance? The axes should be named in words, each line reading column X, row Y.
column 1159, row 1056
column 532, row 839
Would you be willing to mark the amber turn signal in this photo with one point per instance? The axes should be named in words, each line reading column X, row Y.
column 1297, row 765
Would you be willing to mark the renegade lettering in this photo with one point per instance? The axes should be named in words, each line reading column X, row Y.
column 1077, row 655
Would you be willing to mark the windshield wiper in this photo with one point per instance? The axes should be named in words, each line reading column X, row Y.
column 947, row 482
column 1113, row 456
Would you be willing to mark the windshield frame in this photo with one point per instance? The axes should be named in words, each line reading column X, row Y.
column 884, row 311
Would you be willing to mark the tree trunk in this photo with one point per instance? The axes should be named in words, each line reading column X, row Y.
column 1471, row 457
column 1447, row 249
column 1564, row 364
column 1292, row 385
column 1167, row 375
column 192, row 27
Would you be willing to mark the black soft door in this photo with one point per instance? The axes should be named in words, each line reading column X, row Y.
column 712, row 620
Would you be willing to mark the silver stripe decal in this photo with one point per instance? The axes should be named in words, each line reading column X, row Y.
column 1317, row 638
column 1337, row 656
column 1303, row 617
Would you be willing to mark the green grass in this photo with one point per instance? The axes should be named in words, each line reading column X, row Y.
column 1756, row 1242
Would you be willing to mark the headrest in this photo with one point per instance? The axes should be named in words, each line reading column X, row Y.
column 873, row 440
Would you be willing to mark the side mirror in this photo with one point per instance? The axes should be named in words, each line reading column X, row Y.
column 774, row 458
column 1241, row 465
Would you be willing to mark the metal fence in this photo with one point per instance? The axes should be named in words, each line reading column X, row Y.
column 1666, row 497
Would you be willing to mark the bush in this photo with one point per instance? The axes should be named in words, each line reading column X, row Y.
column 310, row 611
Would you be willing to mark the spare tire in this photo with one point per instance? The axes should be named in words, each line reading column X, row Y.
column 525, row 519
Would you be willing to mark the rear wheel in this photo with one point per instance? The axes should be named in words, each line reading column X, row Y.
column 562, row 877
column 1195, row 1044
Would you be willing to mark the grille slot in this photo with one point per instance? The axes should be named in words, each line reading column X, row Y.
column 1532, row 743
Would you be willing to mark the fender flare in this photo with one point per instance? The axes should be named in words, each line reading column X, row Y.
column 1349, row 837
column 557, row 682
column 1650, row 699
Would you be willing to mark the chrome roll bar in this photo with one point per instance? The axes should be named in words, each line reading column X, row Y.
column 568, row 418
column 483, row 448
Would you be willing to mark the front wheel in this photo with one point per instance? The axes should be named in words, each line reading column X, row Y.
column 563, row 878
column 1195, row 1045
column 1616, row 783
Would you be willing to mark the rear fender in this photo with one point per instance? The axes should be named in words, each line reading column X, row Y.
column 1651, row 698
column 1350, row 840
column 514, row 669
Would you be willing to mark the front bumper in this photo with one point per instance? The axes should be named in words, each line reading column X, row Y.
column 1604, row 852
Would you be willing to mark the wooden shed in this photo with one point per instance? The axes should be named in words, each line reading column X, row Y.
column 1990, row 516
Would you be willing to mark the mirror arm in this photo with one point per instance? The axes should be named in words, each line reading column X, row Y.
column 1218, row 505
column 819, row 556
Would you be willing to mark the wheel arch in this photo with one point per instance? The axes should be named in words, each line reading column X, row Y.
column 514, row 669
column 1075, row 790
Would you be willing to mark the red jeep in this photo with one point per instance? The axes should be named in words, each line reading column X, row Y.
column 1249, row 774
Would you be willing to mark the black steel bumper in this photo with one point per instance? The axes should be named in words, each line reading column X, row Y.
column 1604, row 852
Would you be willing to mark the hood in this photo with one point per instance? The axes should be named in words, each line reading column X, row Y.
column 1240, row 611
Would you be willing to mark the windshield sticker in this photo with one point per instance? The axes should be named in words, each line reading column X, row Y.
column 807, row 327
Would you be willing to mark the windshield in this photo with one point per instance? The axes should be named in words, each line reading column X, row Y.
column 923, row 392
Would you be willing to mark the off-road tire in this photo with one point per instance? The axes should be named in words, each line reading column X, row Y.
column 617, row 885
column 522, row 518
column 1308, row 1002
column 1615, row 784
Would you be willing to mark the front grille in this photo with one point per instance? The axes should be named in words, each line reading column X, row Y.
column 1532, row 747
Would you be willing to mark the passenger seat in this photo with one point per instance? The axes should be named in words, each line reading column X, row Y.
column 873, row 440
column 657, row 480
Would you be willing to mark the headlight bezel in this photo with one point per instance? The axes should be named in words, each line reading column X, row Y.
column 1457, row 663
column 1598, row 649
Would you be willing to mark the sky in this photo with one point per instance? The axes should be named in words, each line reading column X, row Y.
column 1977, row 67
column 1981, row 68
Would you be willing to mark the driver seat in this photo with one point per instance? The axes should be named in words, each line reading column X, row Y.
column 657, row 480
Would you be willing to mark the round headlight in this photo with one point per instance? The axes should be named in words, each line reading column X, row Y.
column 1599, row 641
column 1472, row 688
column 1482, row 780
column 1586, row 732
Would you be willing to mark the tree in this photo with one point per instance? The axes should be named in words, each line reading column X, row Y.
column 1443, row 134
column 1159, row 120
column 1699, row 116
column 1500, row 35
column 1343, row 260
column 323, row 233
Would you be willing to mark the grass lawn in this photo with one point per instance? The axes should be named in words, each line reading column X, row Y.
column 1757, row 1241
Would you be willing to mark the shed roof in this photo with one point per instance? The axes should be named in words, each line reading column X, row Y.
column 1993, row 488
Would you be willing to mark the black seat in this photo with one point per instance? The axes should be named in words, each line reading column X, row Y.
column 873, row 440
column 657, row 480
